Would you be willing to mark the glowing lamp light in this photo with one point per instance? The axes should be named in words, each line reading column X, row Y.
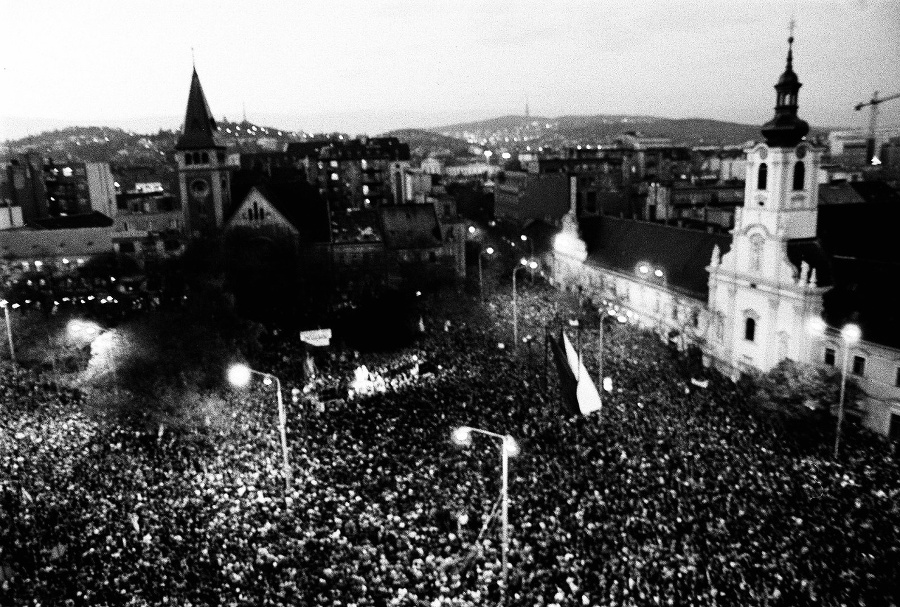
column 471, row 229
column 816, row 326
column 658, row 273
column 622, row 319
column 523, row 261
column 418, row 293
column 851, row 333
column 462, row 519
column 510, row 446
column 489, row 250
column 239, row 375
column 643, row 269
column 523, row 237
column 533, row 265
column 462, row 436
column 506, row 155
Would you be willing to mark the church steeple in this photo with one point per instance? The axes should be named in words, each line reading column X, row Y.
column 786, row 129
column 199, row 125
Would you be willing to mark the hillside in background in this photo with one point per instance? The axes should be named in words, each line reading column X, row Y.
column 424, row 143
column 121, row 147
column 515, row 131
column 128, row 148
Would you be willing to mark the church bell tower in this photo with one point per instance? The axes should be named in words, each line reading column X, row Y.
column 203, row 177
column 767, row 287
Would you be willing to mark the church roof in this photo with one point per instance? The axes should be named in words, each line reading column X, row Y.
column 297, row 201
column 786, row 129
column 410, row 226
column 199, row 125
column 682, row 254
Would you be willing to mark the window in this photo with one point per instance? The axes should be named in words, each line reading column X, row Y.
column 829, row 356
column 799, row 175
column 205, row 157
column 762, row 177
column 187, row 159
column 750, row 329
column 897, row 378
column 126, row 247
column 756, row 252
column 859, row 365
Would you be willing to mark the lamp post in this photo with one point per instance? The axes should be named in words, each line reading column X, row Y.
column 12, row 354
column 851, row 334
column 239, row 375
column 508, row 448
column 487, row 251
column 524, row 264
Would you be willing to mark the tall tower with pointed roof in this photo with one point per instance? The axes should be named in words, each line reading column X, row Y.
column 764, row 290
column 203, row 176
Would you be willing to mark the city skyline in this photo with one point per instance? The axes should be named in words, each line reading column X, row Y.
column 387, row 65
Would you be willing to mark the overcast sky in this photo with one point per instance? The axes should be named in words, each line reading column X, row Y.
column 373, row 65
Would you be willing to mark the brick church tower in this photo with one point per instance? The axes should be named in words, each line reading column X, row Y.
column 203, row 177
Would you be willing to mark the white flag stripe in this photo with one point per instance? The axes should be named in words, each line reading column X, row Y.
column 588, row 397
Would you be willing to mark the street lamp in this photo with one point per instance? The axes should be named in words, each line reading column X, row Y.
column 12, row 354
column 239, row 375
column 524, row 263
column 851, row 334
column 487, row 251
column 508, row 448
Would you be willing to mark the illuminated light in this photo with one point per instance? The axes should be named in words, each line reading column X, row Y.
column 471, row 229
column 25, row 265
column 816, row 326
column 418, row 293
column 510, row 446
column 533, row 265
column 65, row 299
column 489, row 250
column 570, row 245
column 506, row 155
column 523, row 261
column 643, row 269
column 239, row 375
column 3, row 303
column 80, row 261
column 462, row 519
column 112, row 278
column 622, row 319
column 851, row 333
column 267, row 381
column 658, row 273
column 65, row 261
column 38, row 264
column 523, row 237
column 90, row 298
column 15, row 306
column 462, row 436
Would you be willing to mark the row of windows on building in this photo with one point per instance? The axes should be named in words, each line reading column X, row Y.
column 201, row 157
column 762, row 178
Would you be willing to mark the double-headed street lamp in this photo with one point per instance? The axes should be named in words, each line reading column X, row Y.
column 523, row 263
column 508, row 448
column 488, row 251
column 239, row 375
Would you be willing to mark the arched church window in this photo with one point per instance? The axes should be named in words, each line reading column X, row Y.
column 187, row 159
column 762, row 177
column 196, row 158
column 799, row 175
column 205, row 157
column 750, row 329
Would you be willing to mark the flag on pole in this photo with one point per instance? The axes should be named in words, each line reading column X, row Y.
column 568, row 385
column 588, row 397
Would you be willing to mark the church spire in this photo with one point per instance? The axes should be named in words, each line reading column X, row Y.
column 786, row 129
column 199, row 125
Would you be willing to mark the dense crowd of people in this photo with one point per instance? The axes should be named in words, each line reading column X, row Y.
column 673, row 494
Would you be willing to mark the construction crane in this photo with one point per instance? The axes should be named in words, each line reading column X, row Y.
column 871, row 152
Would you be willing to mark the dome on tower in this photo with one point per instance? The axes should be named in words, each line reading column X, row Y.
column 786, row 129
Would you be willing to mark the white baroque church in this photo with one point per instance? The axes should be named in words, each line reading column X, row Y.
column 751, row 299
